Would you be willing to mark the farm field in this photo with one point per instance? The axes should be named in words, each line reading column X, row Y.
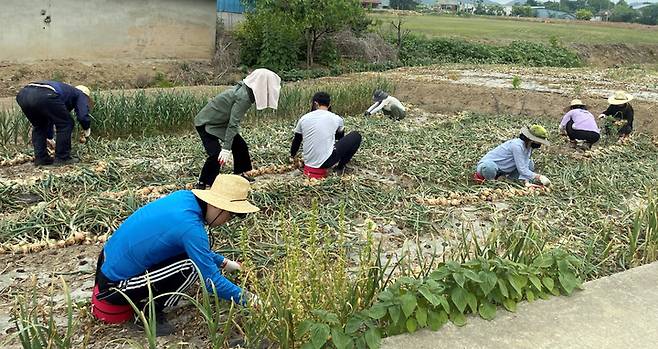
column 410, row 202
column 491, row 29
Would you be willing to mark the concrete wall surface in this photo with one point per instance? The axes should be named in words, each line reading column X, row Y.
column 106, row 29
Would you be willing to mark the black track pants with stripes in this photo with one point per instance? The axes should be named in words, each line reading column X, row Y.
column 175, row 274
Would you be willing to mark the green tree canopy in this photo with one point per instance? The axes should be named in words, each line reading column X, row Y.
column 649, row 15
column 404, row 4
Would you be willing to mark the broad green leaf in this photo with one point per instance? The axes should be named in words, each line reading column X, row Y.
column 377, row 311
column 437, row 319
column 326, row 316
column 427, row 294
column 411, row 325
column 361, row 343
column 543, row 261
column 568, row 282
column 489, row 280
column 341, row 340
column 421, row 316
column 503, row 288
column 472, row 275
column 386, row 295
column 458, row 296
column 564, row 266
column 373, row 338
column 353, row 324
column 518, row 282
column 444, row 303
column 548, row 282
column 458, row 319
column 535, row 282
column 543, row 295
column 460, row 279
column 487, row 310
column 319, row 334
column 395, row 313
column 440, row 274
column 529, row 295
column 303, row 328
column 308, row 345
column 409, row 302
column 472, row 302
column 510, row 305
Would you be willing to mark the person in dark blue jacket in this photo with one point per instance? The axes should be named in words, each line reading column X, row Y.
column 47, row 104
column 162, row 243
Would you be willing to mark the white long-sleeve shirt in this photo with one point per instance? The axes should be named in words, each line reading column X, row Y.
column 386, row 104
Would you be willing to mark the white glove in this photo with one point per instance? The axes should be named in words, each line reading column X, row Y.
column 601, row 116
column 230, row 266
column 544, row 180
column 253, row 300
column 51, row 144
column 225, row 157
column 87, row 132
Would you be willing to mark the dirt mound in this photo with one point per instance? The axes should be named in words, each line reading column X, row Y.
column 615, row 55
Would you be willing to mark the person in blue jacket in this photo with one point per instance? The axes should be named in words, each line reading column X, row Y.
column 164, row 242
column 47, row 104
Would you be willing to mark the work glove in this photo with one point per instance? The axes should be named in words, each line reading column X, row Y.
column 230, row 266
column 544, row 180
column 225, row 157
column 87, row 132
column 252, row 300
column 601, row 116
column 366, row 113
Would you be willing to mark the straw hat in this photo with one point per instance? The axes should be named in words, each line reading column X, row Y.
column 577, row 102
column 84, row 90
column 229, row 193
column 536, row 133
column 620, row 97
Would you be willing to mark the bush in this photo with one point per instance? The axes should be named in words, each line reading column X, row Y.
column 418, row 50
column 584, row 14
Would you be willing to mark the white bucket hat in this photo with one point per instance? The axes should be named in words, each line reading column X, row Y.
column 229, row 193
column 577, row 102
column 84, row 90
column 620, row 97
column 536, row 133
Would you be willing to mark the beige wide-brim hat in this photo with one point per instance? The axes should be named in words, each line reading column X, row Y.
column 577, row 102
column 84, row 90
column 620, row 97
column 536, row 133
column 229, row 193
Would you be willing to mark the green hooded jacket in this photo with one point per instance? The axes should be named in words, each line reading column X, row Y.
column 223, row 114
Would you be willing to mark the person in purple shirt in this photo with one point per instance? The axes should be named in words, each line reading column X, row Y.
column 580, row 125
column 48, row 104
column 162, row 245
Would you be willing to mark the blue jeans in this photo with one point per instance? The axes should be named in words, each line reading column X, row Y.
column 489, row 170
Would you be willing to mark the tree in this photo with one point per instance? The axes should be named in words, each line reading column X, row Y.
column 649, row 15
column 495, row 10
column 522, row 11
column 623, row 13
column 552, row 5
column 584, row 14
column 600, row 5
column 531, row 3
column 402, row 4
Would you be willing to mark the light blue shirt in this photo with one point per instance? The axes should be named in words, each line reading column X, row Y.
column 512, row 155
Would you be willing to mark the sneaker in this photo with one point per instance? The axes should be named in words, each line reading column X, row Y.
column 478, row 178
column 343, row 171
column 162, row 326
column 249, row 178
column 69, row 161
column 44, row 162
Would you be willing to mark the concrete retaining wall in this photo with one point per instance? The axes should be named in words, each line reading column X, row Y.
column 106, row 29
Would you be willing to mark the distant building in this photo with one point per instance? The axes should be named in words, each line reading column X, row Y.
column 230, row 12
column 545, row 13
column 371, row 3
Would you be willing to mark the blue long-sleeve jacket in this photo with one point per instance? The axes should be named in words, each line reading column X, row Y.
column 74, row 99
column 165, row 228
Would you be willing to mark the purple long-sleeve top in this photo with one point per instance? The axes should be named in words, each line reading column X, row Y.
column 583, row 120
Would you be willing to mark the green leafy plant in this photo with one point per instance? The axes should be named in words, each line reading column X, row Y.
column 516, row 82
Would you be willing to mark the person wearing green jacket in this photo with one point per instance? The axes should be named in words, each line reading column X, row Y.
column 218, row 123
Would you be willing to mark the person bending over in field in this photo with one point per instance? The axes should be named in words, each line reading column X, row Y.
column 389, row 105
column 163, row 244
column 512, row 158
column 580, row 125
column 48, row 104
column 322, row 135
column 218, row 123
column 621, row 112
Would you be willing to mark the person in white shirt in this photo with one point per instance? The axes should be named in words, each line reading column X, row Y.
column 322, row 135
column 389, row 105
